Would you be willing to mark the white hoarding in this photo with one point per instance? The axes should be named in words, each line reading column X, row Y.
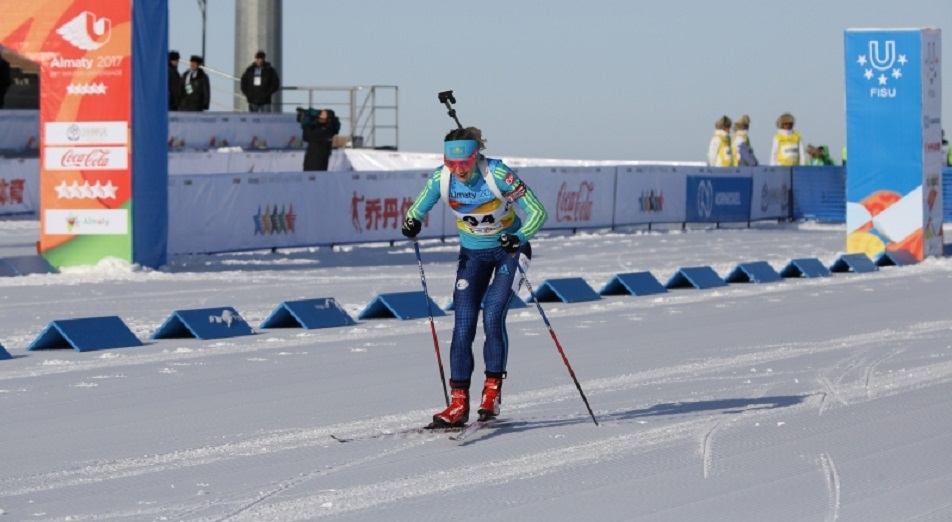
column 650, row 194
column 770, row 192
column 19, row 186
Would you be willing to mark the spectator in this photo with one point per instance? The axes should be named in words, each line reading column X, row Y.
column 319, row 133
column 5, row 79
column 743, row 153
column 259, row 82
column 811, row 155
column 821, row 157
column 719, row 150
column 787, row 147
column 196, row 93
column 175, row 81
column 946, row 152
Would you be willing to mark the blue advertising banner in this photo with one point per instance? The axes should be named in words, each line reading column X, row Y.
column 893, row 93
column 716, row 199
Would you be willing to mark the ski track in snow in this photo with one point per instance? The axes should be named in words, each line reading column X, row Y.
column 266, row 504
column 832, row 478
column 871, row 369
column 707, row 455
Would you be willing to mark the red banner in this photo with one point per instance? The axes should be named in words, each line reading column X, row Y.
column 84, row 51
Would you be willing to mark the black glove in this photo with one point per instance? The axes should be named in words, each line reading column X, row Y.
column 411, row 227
column 510, row 243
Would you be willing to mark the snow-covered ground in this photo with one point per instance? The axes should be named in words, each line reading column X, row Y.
column 809, row 399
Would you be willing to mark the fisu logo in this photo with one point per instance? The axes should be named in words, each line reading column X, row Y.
column 884, row 58
column 881, row 63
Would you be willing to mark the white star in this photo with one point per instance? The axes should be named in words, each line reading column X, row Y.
column 96, row 189
column 74, row 191
column 868, row 74
column 62, row 192
column 109, row 190
column 85, row 192
column 862, row 60
column 902, row 59
column 896, row 74
column 70, row 89
column 882, row 79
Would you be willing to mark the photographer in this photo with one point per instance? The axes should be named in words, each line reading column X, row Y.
column 318, row 132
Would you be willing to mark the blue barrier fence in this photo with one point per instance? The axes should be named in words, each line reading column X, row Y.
column 819, row 193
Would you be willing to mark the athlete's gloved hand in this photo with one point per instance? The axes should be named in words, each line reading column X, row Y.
column 510, row 243
column 411, row 227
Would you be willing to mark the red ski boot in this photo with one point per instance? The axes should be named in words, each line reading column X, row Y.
column 456, row 414
column 492, row 396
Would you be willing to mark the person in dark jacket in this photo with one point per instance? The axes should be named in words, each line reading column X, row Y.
column 5, row 79
column 196, row 93
column 259, row 82
column 319, row 134
column 175, row 81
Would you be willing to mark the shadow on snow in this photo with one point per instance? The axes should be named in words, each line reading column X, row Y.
column 718, row 406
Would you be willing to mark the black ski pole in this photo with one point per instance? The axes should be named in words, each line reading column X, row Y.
column 436, row 342
column 556, row 339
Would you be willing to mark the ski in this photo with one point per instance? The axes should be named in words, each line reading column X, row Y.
column 398, row 434
column 458, row 433
column 473, row 427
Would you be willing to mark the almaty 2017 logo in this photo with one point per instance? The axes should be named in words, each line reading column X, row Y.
column 86, row 31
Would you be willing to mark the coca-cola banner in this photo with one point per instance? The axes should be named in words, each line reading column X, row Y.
column 574, row 197
column 86, row 158
column 650, row 194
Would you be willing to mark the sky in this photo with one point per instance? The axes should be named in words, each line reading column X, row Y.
column 805, row 399
column 602, row 80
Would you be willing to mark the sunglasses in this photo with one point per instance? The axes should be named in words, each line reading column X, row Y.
column 460, row 164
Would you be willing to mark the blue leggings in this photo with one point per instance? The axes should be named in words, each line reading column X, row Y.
column 482, row 276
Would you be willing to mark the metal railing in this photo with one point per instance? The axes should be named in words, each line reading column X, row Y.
column 369, row 114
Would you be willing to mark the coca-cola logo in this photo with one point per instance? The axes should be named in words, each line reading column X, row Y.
column 575, row 205
column 87, row 159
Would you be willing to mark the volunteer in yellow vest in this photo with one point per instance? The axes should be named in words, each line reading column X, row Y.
column 787, row 147
column 719, row 151
column 741, row 150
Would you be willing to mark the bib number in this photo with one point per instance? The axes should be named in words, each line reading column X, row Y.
column 484, row 225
